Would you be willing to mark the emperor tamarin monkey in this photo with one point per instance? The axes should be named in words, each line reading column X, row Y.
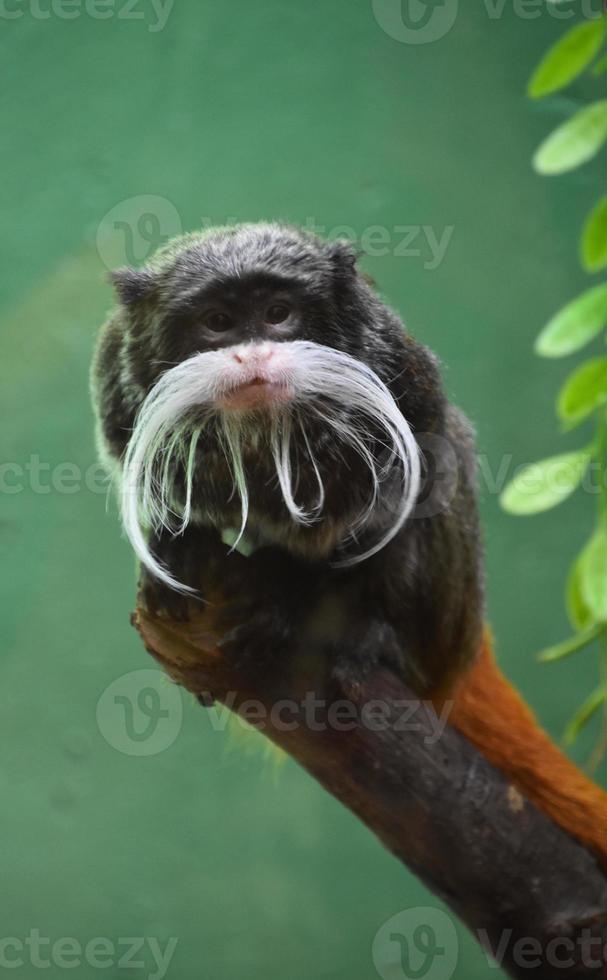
column 251, row 382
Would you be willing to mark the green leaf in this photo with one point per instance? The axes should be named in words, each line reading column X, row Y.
column 545, row 484
column 579, row 614
column 575, row 325
column 572, row 645
column 567, row 58
column 574, row 142
column 584, row 391
column 601, row 67
column 593, row 575
column 594, row 238
column 581, row 718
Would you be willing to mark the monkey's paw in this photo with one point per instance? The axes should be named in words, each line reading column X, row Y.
column 250, row 634
column 163, row 602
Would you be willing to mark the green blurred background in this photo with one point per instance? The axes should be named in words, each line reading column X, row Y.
column 310, row 112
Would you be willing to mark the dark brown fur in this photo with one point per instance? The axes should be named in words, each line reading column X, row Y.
column 419, row 600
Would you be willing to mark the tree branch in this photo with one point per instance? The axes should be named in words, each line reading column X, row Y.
column 499, row 863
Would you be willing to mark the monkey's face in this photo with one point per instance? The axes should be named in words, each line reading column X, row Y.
column 249, row 285
column 252, row 322
column 268, row 351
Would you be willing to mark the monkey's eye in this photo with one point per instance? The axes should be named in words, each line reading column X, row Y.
column 217, row 321
column 278, row 313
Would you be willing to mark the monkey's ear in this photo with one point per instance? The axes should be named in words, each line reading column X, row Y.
column 344, row 256
column 132, row 285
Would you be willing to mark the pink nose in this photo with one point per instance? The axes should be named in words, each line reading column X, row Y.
column 253, row 354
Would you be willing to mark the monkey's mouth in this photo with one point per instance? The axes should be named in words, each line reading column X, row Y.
column 292, row 391
column 256, row 393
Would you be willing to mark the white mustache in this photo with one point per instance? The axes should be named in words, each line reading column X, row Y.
column 184, row 402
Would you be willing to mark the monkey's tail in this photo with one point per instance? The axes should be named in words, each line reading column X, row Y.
column 493, row 716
